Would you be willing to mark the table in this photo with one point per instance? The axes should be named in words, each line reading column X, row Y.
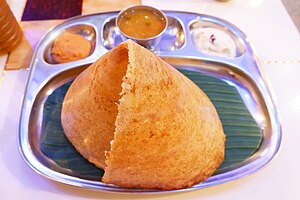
column 277, row 42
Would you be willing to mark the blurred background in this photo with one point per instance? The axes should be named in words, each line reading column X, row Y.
column 293, row 8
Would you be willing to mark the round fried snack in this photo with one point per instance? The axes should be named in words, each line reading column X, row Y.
column 158, row 129
column 69, row 47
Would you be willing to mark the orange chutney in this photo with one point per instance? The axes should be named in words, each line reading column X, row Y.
column 141, row 23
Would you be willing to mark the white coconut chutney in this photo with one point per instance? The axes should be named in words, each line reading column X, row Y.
column 214, row 42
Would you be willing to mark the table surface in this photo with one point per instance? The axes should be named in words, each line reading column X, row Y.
column 277, row 42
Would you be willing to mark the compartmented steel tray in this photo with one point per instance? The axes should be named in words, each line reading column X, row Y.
column 177, row 48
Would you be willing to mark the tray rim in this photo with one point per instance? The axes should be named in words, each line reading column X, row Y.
column 34, row 165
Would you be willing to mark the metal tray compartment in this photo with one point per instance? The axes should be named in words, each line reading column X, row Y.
column 177, row 49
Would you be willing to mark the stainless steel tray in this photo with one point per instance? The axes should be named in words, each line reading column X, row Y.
column 176, row 48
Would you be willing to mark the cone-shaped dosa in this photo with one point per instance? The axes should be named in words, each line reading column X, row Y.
column 142, row 121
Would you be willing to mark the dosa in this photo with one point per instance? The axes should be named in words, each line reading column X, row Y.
column 142, row 121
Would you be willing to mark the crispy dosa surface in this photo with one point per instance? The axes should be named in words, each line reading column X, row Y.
column 168, row 134
column 165, row 132
column 89, row 109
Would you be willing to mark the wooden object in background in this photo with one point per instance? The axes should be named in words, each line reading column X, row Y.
column 10, row 31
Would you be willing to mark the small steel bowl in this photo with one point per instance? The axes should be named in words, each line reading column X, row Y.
column 150, row 42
